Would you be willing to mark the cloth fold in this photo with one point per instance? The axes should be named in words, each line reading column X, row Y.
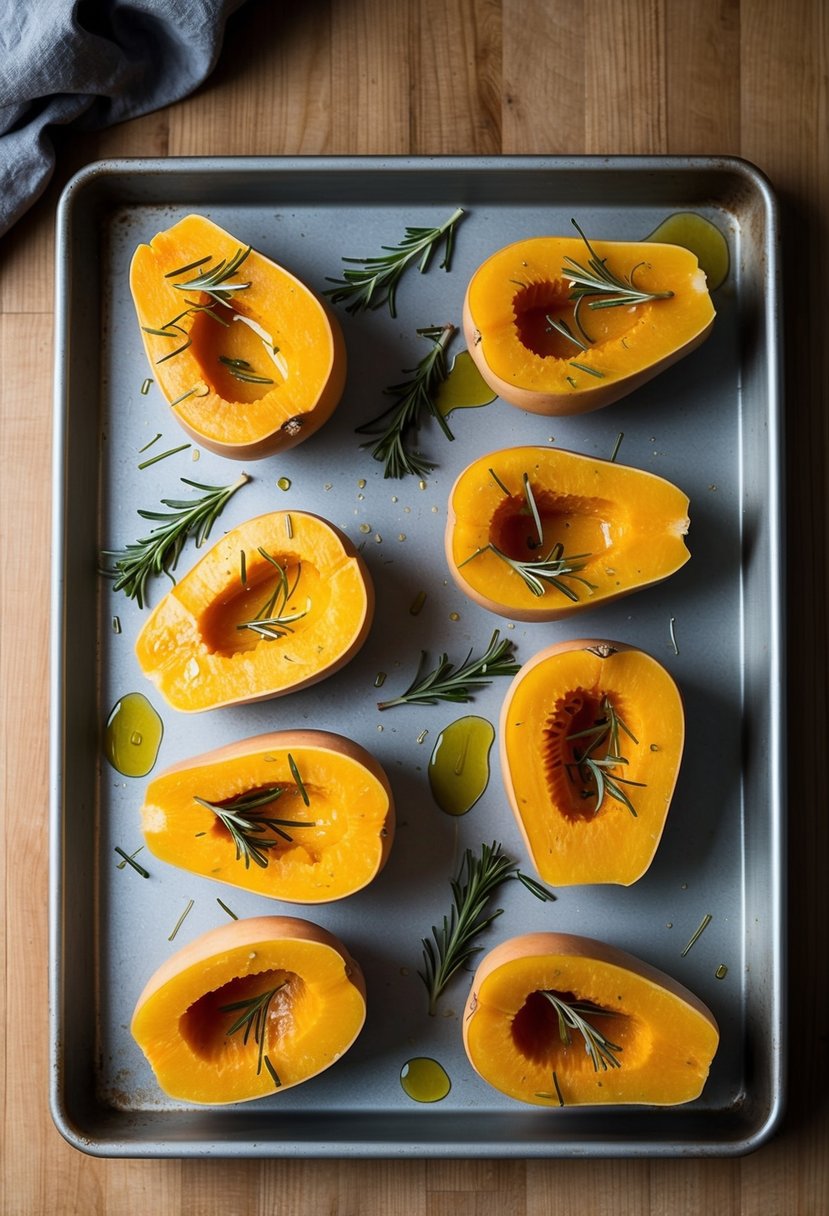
column 92, row 63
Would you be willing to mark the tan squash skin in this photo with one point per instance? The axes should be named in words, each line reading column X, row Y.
column 237, row 419
column 216, row 1069
column 189, row 645
column 629, row 525
column 529, row 369
column 668, row 1036
column 350, row 801
column 569, row 846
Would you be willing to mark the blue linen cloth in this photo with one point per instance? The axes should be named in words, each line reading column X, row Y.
column 91, row 63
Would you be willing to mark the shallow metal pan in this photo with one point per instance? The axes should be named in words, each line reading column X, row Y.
column 711, row 424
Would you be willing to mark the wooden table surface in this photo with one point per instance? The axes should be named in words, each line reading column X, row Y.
column 467, row 77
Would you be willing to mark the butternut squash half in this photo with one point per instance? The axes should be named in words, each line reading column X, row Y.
column 303, row 816
column 592, row 734
column 276, row 604
column 547, row 343
column 555, row 1019
column 251, row 360
column 538, row 534
column 249, row 1009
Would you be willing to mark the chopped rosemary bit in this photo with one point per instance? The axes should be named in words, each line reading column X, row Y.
column 374, row 280
column 129, row 860
column 181, row 920
column 413, row 400
column 594, row 770
column 273, row 1072
column 243, row 569
column 150, row 444
column 616, row 446
column 159, row 552
column 116, row 624
column 254, row 1017
column 225, row 908
column 592, row 371
column 672, row 629
column 300, row 784
column 535, row 888
column 145, row 388
column 561, row 327
column 450, row 683
column 703, row 925
column 145, row 464
column 240, row 369
column 602, row 1052
column 246, row 825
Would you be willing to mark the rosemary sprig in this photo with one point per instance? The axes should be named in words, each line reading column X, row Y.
column 454, row 942
column 247, row 827
column 272, row 621
column 594, row 770
column 159, row 552
column 551, row 569
column 240, row 369
column 570, row 1017
column 600, row 287
column 414, row 399
column 450, row 683
column 374, row 281
column 254, row 1017
column 214, row 281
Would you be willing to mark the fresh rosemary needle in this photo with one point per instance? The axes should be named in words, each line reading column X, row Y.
column 446, row 682
column 414, row 400
column 159, row 552
column 372, row 281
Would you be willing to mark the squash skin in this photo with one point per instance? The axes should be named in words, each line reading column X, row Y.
column 177, row 648
column 667, row 1034
column 349, row 793
column 231, row 418
column 528, row 369
column 636, row 523
column 319, row 1030
column 569, row 845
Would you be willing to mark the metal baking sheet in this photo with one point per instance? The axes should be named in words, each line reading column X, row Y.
column 711, row 424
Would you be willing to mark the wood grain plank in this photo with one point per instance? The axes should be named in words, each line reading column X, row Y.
column 271, row 93
column 395, row 1188
column 625, row 77
column 370, row 80
column 544, row 78
column 456, row 77
column 143, row 1186
column 703, row 76
column 219, row 1188
column 602, row 1188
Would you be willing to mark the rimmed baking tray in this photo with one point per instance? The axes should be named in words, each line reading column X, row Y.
column 711, row 424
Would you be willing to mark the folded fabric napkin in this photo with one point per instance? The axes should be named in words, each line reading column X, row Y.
column 91, row 63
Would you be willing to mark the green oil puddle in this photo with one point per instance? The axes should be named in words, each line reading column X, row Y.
column 424, row 1080
column 459, row 764
column 703, row 238
column 464, row 388
column 133, row 735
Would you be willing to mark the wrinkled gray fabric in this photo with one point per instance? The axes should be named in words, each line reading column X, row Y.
column 91, row 63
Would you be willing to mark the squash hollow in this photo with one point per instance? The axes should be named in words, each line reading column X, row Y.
column 303, row 610
column 665, row 1037
column 519, row 299
column 607, row 529
column 572, row 709
column 183, row 1018
column 322, row 849
column 251, row 364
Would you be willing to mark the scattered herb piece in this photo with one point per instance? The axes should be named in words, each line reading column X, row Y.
column 591, row 371
column 146, row 386
column 116, row 624
column 557, row 1095
column 225, row 908
column 159, row 552
column 698, row 932
column 289, row 527
column 561, row 327
column 214, row 282
column 247, row 827
column 592, row 769
column 671, row 628
column 129, row 860
column 273, row 1072
column 181, row 920
column 498, row 482
column 417, row 603
column 374, row 280
column 150, row 444
column 535, row 888
column 243, row 569
column 300, row 784
column 449, row 683
column 240, row 369
column 145, row 464
column 601, row 1051
column 721, row 972
column 254, row 1017
column 413, row 399
column 616, row 446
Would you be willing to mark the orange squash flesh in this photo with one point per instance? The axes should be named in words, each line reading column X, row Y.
column 275, row 333
column 513, row 296
column 350, row 806
column 313, row 1018
column 625, row 527
column 667, row 1036
column 560, row 693
column 193, row 648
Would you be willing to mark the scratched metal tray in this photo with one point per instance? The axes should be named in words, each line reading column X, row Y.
column 711, row 424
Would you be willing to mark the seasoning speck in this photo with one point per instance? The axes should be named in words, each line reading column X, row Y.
column 365, row 528
column 454, row 616
column 116, row 624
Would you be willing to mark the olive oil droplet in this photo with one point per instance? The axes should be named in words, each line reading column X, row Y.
column 133, row 735
column 424, row 1080
column 703, row 238
column 459, row 764
column 464, row 388
column 284, row 483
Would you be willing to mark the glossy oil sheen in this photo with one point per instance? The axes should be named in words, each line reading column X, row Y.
column 695, row 232
column 424, row 1080
column 133, row 735
column 464, row 388
column 459, row 764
